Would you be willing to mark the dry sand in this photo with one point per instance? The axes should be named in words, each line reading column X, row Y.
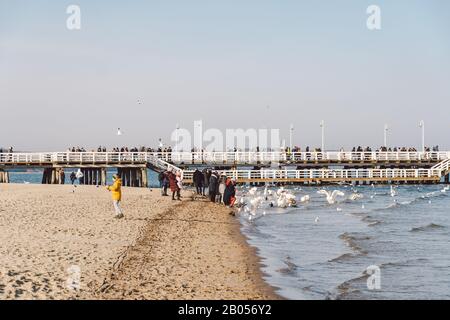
column 162, row 249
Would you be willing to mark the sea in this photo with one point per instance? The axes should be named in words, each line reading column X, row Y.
column 35, row 176
column 381, row 245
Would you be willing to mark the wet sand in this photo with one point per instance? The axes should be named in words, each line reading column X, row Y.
column 162, row 249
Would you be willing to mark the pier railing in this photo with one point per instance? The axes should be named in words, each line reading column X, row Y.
column 443, row 166
column 220, row 158
column 249, row 157
column 325, row 174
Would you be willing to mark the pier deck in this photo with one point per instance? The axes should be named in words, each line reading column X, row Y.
column 268, row 167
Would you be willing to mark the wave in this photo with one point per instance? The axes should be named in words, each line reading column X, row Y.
column 345, row 289
column 428, row 227
column 343, row 257
column 389, row 207
column 374, row 223
column 351, row 240
column 402, row 263
column 371, row 222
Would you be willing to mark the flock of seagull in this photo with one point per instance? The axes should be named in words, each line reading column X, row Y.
column 253, row 199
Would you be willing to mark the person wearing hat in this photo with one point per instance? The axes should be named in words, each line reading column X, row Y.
column 229, row 195
column 116, row 193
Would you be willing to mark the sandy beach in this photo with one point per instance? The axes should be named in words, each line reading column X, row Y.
column 162, row 249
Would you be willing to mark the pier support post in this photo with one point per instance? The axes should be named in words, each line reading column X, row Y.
column 133, row 177
column 4, row 176
column 53, row 176
column 447, row 178
column 144, row 178
column 46, row 176
column 103, row 176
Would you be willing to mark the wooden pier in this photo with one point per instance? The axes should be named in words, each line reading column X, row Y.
column 244, row 167
column 4, row 176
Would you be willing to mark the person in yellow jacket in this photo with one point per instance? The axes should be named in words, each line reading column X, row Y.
column 116, row 193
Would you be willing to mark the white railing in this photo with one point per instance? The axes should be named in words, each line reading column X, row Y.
column 296, row 157
column 219, row 158
column 308, row 174
column 161, row 164
column 81, row 158
column 443, row 166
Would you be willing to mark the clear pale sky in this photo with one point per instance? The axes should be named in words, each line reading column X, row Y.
column 224, row 62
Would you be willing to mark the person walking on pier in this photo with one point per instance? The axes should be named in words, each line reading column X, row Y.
column 116, row 192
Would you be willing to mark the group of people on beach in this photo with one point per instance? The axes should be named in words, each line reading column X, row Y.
column 220, row 189
column 173, row 180
column 208, row 183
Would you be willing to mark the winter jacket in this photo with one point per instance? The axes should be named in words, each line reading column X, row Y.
column 116, row 190
column 173, row 182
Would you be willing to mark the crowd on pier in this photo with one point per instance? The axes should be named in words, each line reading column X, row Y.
column 295, row 149
column 121, row 149
column 365, row 149
column 6, row 150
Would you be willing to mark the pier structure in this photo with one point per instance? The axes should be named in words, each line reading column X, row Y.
column 244, row 167
column 4, row 176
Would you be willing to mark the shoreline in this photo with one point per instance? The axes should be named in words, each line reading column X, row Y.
column 160, row 250
column 220, row 278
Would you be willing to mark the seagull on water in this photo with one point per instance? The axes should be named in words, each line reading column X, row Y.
column 393, row 192
column 305, row 198
column 331, row 196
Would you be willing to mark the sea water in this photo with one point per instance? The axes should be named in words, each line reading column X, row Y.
column 35, row 177
column 322, row 251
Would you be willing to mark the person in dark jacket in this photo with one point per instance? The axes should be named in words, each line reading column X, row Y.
column 230, row 193
column 206, row 175
column 73, row 177
column 213, row 186
column 163, row 182
column 198, row 181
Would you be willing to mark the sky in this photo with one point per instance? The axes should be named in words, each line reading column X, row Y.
column 233, row 64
